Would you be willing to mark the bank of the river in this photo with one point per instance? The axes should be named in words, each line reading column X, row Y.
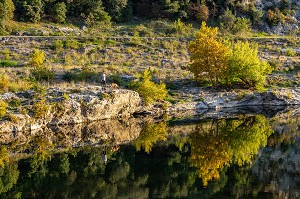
column 92, row 103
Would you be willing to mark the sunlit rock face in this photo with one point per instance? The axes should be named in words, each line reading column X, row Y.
column 92, row 104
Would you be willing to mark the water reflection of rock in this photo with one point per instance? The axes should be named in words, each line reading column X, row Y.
column 278, row 164
column 101, row 132
column 280, row 171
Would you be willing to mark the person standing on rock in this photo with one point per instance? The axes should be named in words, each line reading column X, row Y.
column 103, row 80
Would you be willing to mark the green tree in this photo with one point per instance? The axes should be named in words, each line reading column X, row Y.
column 60, row 12
column 275, row 17
column 198, row 11
column 96, row 15
column 227, row 20
column 149, row 90
column 245, row 65
column 7, row 9
column 209, row 55
column 241, row 26
column 116, row 8
column 170, row 6
column 33, row 10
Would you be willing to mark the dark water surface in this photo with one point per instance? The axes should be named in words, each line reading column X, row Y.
column 241, row 157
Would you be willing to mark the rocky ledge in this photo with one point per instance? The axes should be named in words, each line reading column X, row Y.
column 203, row 99
column 91, row 103
column 71, row 106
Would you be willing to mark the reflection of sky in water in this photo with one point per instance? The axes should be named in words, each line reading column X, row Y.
column 241, row 158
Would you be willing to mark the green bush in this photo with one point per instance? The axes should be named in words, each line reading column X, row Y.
column 227, row 20
column 182, row 29
column 72, row 44
column 134, row 41
column 8, row 63
column 143, row 31
column 290, row 52
column 6, row 52
column 161, row 26
column 42, row 73
column 275, row 64
column 7, row 9
column 85, row 74
column 274, row 17
column 58, row 45
column 229, row 23
column 15, row 103
column 3, row 108
column 97, row 16
column 110, row 42
column 149, row 90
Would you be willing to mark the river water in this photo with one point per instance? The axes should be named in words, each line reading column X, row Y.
column 246, row 156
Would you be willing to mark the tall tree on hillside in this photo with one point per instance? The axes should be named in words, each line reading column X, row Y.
column 90, row 12
column 96, row 15
column 60, row 12
column 33, row 10
column 7, row 9
column 119, row 10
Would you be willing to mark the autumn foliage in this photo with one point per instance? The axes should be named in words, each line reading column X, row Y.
column 209, row 55
column 235, row 63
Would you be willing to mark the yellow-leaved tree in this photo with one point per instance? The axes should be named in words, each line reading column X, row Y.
column 209, row 56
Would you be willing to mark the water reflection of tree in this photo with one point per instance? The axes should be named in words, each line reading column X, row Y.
column 74, row 174
column 9, row 172
column 218, row 143
column 168, row 170
column 151, row 134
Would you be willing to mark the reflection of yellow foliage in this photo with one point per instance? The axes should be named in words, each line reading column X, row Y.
column 225, row 141
column 3, row 156
column 151, row 134
column 247, row 138
column 42, row 147
column 209, row 153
